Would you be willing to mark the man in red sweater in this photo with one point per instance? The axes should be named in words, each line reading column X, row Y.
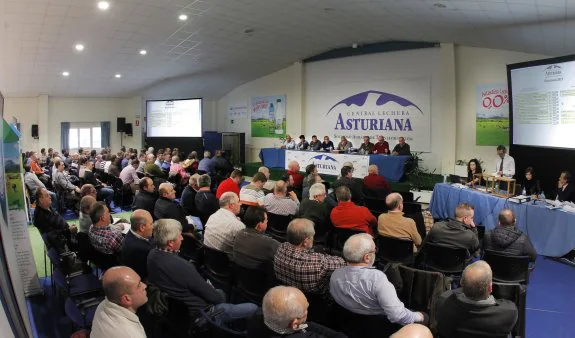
column 347, row 215
column 231, row 184
column 381, row 147
column 373, row 180
column 293, row 171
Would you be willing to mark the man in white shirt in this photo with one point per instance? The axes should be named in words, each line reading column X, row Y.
column 223, row 225
column 279, row 203
column 129, row 176
column 504, row 164
column 116, row 316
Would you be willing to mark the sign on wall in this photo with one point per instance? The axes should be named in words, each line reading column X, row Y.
column 328, row 163
column 268, row 116
column 393, row 109
column 238, row 111
column 492, row 119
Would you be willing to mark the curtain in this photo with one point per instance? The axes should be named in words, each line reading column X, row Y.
column 65, row 135
column 105, row 125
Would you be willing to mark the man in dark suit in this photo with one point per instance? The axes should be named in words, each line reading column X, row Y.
column 166, row 207
column 146, row 197
column 138, row 242
column 456, row 233
column 565, row 190
column 354, row 185
column 472, row 310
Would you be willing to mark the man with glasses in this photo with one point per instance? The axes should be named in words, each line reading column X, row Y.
column 362, row 289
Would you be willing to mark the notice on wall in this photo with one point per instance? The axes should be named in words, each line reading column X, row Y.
column 492, row 119
column 238, row 111
column 268, row 116
column 329, row 163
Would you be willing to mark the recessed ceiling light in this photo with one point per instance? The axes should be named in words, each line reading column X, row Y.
column 117, row 76
column 143, row 52
column 103, row 5
column 79, row 47
column 183, row 17
column 65, row 73
column 439, row 5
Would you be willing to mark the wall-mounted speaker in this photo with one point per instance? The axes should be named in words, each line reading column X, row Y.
column 128, row 129
column 35, row 131
column 121, row 124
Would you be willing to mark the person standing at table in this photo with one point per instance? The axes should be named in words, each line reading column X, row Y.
column 366, row 146
column 504, row 164
column 344, row 145
column 531, row 185
column 565, row 190
column 303, row 144
column 315, row 144
column 289, row 143
column 327, row 144
column 381, row 147
column 402, row 148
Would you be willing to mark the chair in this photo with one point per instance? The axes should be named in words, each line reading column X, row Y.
column 444, row 259
column 81, row 313
column 375, row 204
column 394, row 250
column 516, row 293
column 217, row 268
column 375, row 193
column 506, row 268
column 192, row 250
column 407, row 196
column 86, row 251
column 362, row 326
column 339, row 236
column 252, row 284
column 74, row 284
column 105, row 261
column 411, row 208
column 277, row 226
column 419, row 222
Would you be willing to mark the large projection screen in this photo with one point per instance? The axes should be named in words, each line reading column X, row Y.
column 174, row 118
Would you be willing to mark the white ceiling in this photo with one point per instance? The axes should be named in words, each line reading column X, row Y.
column 209, row 54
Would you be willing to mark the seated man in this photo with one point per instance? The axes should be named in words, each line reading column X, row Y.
column 565, row 190
column 381, row 147
column 362, row 289
column 293, row 171
column 252, row 194
column 507, row 239
column 146, row 197
column 104, row 238
column 269, row 185
column 314, row 144
column 104, row 192
column 188, row 198
column 166, row 207
column 373, row 180
column 354, row 185
column 252, row 248
column 284, row 315
column 48, row 221
column 205, row 201
column 221, row 164
column 85, row 222
column 394, row 224
column 315, row 209
column 129, row 176
column 61, row 181
column 231, row 183
column 279, row 203
column 295, row 263
column 138, row 242
column 33, row 183
column 303, row 144
column 115, row 316
column 401, row 148
column 456, row 233
column 206, row 166
column 366, row 147
column 347, row 215
column 180, row 280
column 151, row 168
column 472, row 310
column 224, row 225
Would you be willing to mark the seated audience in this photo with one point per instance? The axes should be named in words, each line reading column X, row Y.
column 285, row 315
column 146, row 197
column 221, row 164
column 344, row 145
column 365, row 290
column 115, row 316
column 62, row 182
column 311, row 177
column 279, row 203
column 85, row 222
column 205, row 201
column 252, row 194
column 188, row 198
column 48, row 221
column 565, row 190
column 315, row 209
column 224, row 225
column 34, row 165
column 531, row 184
column 471, row 310
column 293, row 171
column 366, row 147
column 507, row 239
column 88, row 190
column 303, row 144
column 381, row 146
column 166, row 207
column 315, row 144
column 269, row 185
column 327, row 144
column 295, row 263
column 347, row 215
column 104, row 238
column 373, row 180
column 129, row 176
column 289, row 143
column 402, row 148
column 180, row 280
column 138, row 242
column 166, row 163
column 394, row 224
column 252, row 248
column 354, row 185
column 456, row 233
column 151, row 168
column 159, row 158
column 125, row 161
column 413, row 331
column 176, row 168
column 104, row 192
column 231, row 183
column 33, row 183
column 115, row 167
column 206, row 166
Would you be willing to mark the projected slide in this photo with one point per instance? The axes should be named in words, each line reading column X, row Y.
column 544, row 105
column 177, row 118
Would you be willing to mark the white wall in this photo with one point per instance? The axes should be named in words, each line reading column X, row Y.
column 25, row 109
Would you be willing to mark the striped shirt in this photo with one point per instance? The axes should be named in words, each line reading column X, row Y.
column 252, row 195
column 280, row 205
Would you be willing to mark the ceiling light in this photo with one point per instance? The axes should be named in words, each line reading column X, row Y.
column 66, row 74
column 117, row 76
column 79, row 47
column 143, row 52
column 183, row 17
column 103, row 5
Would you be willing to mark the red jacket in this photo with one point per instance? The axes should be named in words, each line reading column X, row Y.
column 373, row 181
column 227, row 185
column 297, row 179
column 347, row 215
column 381, row 148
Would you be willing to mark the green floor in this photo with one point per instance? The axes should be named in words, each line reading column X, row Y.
column 38, row 245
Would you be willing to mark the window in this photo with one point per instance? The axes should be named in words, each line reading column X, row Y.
column 85, row 137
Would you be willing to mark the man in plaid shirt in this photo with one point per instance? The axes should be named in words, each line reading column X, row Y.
column 279, row 203
column 104, row 238
column 295, row 263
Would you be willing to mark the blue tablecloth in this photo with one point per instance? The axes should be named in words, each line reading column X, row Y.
column 390, row 167
column 552, row 232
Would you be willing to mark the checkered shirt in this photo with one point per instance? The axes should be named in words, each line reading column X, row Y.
column 284, row 206
column 106, row 240
column 305, row 269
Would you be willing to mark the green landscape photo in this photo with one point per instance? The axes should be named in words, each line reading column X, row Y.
column 266, row 128
column 492, row 132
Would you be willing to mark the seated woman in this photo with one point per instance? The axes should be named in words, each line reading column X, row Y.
column 531, row 185
column 473, row 167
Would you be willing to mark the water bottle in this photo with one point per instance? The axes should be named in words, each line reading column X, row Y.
column 542, row 196
column 523, row 192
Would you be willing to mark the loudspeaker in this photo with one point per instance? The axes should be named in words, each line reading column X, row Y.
column 128, row 129
column 121, row 124
column 35, row 131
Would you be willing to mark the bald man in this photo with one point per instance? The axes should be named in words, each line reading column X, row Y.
column 293, row 171
column 374, row 181
column 394, row 224
column 138, row 242
column 280, row 202
column 471, row 309
column 166, row 207
column 507, row 239
column 285, row 314
column 116, row 316
column 413, row 331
